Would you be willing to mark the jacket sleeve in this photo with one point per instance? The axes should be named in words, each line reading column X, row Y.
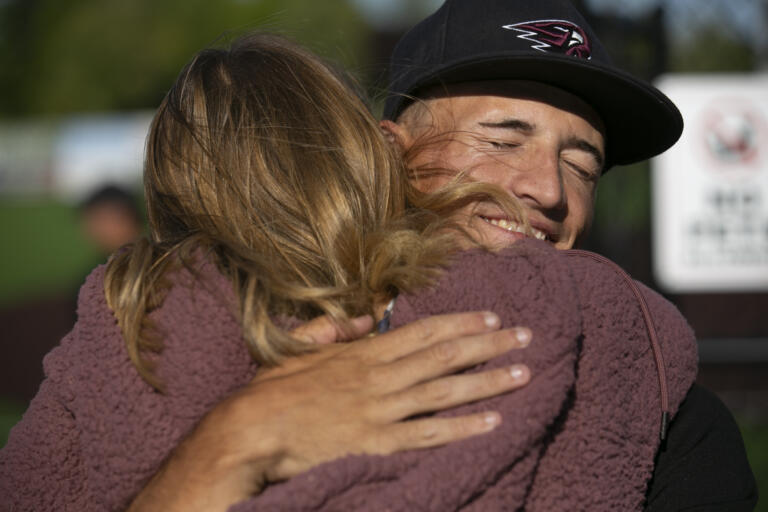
column 96, row 432
column 40, row 466
column 704, row 467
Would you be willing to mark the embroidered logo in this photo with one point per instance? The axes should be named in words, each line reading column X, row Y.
column 555, row 36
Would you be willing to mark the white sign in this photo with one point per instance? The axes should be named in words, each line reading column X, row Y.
column 710, row 190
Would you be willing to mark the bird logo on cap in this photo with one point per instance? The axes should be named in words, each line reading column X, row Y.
column 554, row 36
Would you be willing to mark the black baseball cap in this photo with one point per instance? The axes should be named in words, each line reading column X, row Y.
column 544, row 41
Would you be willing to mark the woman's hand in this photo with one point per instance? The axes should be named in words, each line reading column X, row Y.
column 344, row 398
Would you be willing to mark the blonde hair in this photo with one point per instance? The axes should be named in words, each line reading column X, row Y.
column 263, row 159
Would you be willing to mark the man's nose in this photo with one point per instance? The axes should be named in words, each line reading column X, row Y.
column 540, row 181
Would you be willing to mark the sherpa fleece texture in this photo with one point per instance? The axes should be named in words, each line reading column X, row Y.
column 580, row 436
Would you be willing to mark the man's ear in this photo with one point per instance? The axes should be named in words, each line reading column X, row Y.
column 396, row 134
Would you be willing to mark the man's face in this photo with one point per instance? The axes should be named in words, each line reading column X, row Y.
column 542, row 145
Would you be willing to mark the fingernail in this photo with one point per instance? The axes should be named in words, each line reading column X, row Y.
column 491, row 419
column 491, row 319
column 517, row 372
column 523, row 336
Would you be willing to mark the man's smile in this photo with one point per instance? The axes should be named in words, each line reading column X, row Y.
column 515, row 227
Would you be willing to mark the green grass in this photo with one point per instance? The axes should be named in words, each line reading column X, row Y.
column 10, row 414
column 45, row 250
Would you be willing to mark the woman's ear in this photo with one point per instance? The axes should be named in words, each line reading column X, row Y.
column 396, row 134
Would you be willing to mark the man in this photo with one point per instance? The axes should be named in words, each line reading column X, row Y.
column 524, row 96
column 515, row 94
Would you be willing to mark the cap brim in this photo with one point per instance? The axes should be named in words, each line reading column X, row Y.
column 640, row 121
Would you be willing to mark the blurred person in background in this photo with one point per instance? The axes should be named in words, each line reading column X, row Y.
column 110, row 218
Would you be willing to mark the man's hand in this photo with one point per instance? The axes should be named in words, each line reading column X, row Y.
column 344, row 398
column 322, row 330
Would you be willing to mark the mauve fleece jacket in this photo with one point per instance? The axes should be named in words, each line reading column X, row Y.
column 581, row 435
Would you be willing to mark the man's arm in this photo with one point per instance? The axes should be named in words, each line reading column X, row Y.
column 344, row 398
column 704, row 466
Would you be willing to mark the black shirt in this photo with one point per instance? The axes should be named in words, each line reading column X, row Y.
column 703, row 466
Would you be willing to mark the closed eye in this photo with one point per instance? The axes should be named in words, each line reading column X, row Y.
column 583, row 173
column 503, row 145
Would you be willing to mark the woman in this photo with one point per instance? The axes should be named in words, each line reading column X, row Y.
column 273, row 198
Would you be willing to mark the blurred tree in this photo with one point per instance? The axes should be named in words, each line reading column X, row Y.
column 713, row 49
column 90, row 55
